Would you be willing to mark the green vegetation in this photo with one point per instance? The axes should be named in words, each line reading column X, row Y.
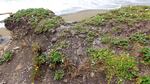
column 140, row 38
column 47, row 24
column 90, row 36
column 38, row 60
column 127, row 14
column 146, row 54
column 53, row 60
column 115, row 41
column 79, row 28
column 119, row 42
column 123, row 66
column 56, row 63
column 41, row 20
column 100, row 55
column 32, row 15
column 96, row 20
column 41, row 59
column 59, row 74
column 36, row 48
column 106, row 39
column 55, row 57
column 36, row 72
column 7, row 56
column 125, row 42
column 117, row 30
column 144, row 80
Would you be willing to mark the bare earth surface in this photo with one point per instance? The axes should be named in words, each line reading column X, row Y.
column 75, row 17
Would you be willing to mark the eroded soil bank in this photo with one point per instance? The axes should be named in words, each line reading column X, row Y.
column 108, row 48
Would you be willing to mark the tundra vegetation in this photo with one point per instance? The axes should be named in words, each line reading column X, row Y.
column 116, row 43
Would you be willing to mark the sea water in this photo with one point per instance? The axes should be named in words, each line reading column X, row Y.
column 61, row 7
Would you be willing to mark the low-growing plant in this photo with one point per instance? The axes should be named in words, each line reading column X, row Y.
column 55, row 57
column 146, row 54
column 7, row 56
column 129, row 15
column 36, row 73
column 36, row 48
column 38, row 61
column 140, row 38
column 79, row 28
column 120, row 42
column 41, row 59
column 58, row 75
column 144, row 80
column 2, row 61
column 106, row 39
column 96, row 20
column 90, row 36
column 116, row 29
column 100, row 55
column 38, row 19
column 32, row 16
column 123, row 67
column 48, row 23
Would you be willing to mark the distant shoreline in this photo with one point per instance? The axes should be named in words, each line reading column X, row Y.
column 81, row 15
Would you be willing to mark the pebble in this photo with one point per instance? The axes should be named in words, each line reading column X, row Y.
column 53, row 31
column 92, row 74
column 3, row 82
column 54, row 40
column 16, row 48
column 65, row 80
column 82, row 36
column 73, row 32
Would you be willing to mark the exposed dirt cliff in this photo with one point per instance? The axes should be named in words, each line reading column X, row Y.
column 109, row 48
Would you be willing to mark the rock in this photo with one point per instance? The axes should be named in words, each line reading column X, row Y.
column 80, row 51
column 53, row 31
column 92, row 74
column 54, row 40
column 73, row 32
column 0, row 73
column 82, row 35
column 1, row 40
column 19, row 67
column 65, row 80
column 3, row 82
column 96, row 41
column 16, row 48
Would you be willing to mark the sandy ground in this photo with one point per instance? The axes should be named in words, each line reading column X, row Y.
column 78, row 16
column 4, row 32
